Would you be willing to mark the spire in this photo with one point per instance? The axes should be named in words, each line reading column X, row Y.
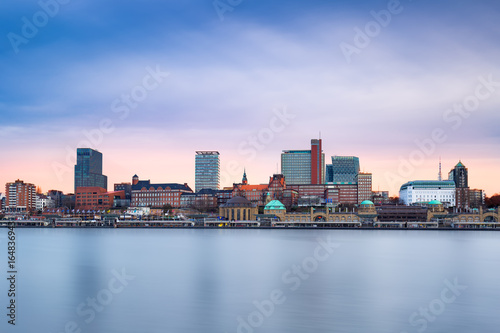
column 440, row 175
column 244, row 180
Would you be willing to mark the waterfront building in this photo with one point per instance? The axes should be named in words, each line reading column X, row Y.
column 88, row 169
column 44, row 201
column 207, row 170
column 238, row 208
column 425, row 191
column 205, row 199
column 2, row 202
column 96, row 198
column 364, row 181
column 20, row 197
column 145, row 194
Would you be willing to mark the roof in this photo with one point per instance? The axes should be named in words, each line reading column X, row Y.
column 253, row 187
column 275, row 205
column 147, row 184
column 367, row 202
column 435, row 184
column 459, row 165
column 238, row 202
column 435, row 202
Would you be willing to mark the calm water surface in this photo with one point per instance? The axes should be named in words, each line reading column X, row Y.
column 275, row 281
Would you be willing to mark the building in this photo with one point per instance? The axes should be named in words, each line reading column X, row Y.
column 238, row 208
column 380, row 197
column 476, row 198
column 57, row 197
column 96, row 198
column 127, row 189
column 317, row 162
column 304, row 167
column 20, row 197
column 88, row 169
column 296, row 166
column 44, row 201
column 2, row 202
column 460, row 176
column 425, row 191
column 343, row 170
column 145, row 194
column 364, row 181
column 277, row 186
column 207, row 170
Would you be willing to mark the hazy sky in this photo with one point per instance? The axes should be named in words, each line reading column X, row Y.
column 148, row 83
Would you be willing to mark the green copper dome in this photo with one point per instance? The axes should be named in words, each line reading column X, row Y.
column 275, row 205
column 435, row 202
column 367, row 202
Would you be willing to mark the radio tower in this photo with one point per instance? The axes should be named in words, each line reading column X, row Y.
column 440, row 175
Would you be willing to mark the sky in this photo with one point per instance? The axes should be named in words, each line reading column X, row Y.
column 400, row 84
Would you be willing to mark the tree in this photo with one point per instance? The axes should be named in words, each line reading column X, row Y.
column 493, row 201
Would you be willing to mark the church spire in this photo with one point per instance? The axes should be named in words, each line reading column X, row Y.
column 244, row 181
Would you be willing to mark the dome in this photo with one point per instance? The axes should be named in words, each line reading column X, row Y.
column 435, row 202
column 238, row 202
column 367, row 202
column 275, row 205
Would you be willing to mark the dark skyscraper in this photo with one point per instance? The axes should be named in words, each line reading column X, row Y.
column 460, row 175
column 88, row 169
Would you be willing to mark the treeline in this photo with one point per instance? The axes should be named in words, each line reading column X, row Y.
column 493, row 201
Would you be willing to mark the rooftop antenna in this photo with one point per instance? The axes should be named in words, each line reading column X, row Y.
column 440, row 175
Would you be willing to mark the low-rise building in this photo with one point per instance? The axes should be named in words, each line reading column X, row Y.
column 96, row 198
column 425, row 191
column 145, row 194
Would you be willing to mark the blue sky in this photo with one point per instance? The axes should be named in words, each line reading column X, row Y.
column 225, row 78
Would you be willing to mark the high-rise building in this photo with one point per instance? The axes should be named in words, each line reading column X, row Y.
column 88, row 169
column 304, row 167
column 20, row 197
column 344, row 170
column 460, row 176
column 207, row 170
column 296, row 166
column 364, row 187
column 317, row 162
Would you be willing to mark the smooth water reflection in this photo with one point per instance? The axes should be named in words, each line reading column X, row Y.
column 204, row 280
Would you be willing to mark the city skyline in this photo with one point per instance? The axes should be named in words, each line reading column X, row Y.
column 249, row 83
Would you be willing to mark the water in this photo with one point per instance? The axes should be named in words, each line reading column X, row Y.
column 216, row 281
